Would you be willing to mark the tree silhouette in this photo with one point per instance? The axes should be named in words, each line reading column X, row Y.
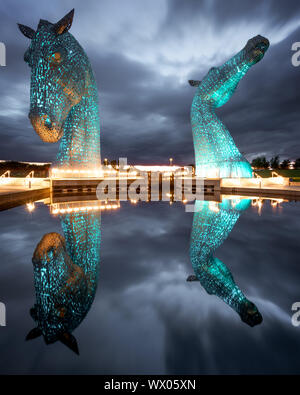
column 260, row 163
column 297, row 164
column 285, row 164
column 274, row 162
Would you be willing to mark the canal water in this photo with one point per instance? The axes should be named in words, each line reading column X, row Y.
column 145, row 317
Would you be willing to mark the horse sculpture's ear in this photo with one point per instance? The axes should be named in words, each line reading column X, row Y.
column 69, row 340
column 194, row 83
column 34, row 333
column 65, row 23
column 27, row 31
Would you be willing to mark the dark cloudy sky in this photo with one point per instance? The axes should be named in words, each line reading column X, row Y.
column 143, row 52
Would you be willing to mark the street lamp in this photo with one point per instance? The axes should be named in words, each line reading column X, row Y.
column 105, row 161
column 171, row 161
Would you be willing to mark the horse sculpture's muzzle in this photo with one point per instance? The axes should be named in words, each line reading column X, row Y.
column 256, row 47
column 48, row 130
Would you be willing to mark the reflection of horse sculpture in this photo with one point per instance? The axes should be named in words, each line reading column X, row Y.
column 211, row 227
column 215, row 151
column 63, row 93
column 65, row 278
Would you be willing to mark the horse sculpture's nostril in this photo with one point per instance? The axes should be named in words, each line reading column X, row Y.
column 45, row 128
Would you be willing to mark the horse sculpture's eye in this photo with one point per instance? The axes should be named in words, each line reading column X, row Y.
column 55, row 58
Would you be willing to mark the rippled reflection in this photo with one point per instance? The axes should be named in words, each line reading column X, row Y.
column 66, row 268
column 65, row 278
column 212, row 224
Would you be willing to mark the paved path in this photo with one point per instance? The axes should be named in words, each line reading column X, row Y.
column 271, row 187
column 11, row 189
column 276, row 191
column 12, row 196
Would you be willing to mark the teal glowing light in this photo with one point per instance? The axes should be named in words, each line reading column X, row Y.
column 212, row 224
column 63, row 94
column 216, row 154
column 65, row 277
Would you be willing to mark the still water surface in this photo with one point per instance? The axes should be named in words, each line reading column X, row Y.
column 144, row 317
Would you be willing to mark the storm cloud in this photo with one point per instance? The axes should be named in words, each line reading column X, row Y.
column 142, row 54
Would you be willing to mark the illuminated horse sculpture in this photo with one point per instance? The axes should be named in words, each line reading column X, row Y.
column 64, row 104
column 216, row 154
column 211, row 227
column 65, row 278
column 63, row 93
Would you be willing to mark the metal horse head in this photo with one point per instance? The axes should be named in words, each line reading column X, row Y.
column 57, row 77
column 219, row 84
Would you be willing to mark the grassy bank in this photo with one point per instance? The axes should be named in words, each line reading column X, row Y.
column 294, row 174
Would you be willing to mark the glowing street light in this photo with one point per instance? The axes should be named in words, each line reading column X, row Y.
column 171, row 161
column 30, row 207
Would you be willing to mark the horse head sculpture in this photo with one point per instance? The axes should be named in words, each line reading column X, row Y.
column 63, row 92
column 216, row 154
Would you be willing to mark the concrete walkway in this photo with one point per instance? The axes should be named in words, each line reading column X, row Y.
column 272, row 187
column 11, row 189
column 12, row 196
column 277, row 191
